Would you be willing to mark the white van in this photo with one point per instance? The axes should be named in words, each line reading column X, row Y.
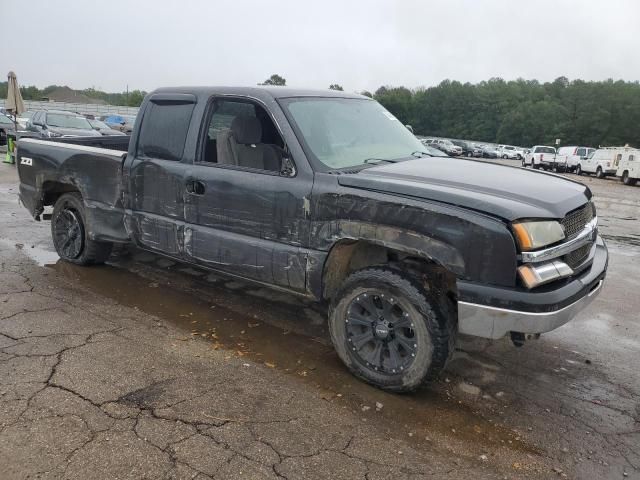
column 568, row 158
column 629, row 166
column 603, row 162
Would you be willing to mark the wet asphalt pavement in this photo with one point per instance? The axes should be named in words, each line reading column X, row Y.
column 173, row 371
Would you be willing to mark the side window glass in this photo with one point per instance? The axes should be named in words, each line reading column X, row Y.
column 580, row 152
column 632, row 158
column 164, row 130
column 242, row 134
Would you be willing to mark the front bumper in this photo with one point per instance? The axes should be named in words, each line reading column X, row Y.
column 492, row 312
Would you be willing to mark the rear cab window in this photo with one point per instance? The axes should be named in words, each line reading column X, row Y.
column 544, row 150
column 164, row 128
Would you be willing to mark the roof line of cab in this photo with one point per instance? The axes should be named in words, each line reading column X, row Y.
column 260, row 92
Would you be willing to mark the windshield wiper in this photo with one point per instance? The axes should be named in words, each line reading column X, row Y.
column 420, row 154
column 379, row 160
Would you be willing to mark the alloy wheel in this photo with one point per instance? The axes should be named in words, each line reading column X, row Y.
column 380, row 333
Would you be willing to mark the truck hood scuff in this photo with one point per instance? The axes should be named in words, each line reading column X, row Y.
column 502, row 191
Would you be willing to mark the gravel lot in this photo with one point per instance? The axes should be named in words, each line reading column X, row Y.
column 146, row 368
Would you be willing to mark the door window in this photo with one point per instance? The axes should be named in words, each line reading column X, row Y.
column 581, row 152
column 241, row 133
column 164, row 130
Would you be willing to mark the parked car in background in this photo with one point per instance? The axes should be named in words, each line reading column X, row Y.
column 604, row 161
column 477, row 150
column 540, row 156
column 103, row 128
column 490, row 151
column 629, row 166
column 446, row 146
column 467, row 147
column 124, row 123
column 24, row 118
column 59, row 123
column 568, row 158
column 434, row 152
column 7, row 129
column 510, row 152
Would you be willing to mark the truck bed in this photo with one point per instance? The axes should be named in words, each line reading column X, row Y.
column 120, row 143
column 49, row 168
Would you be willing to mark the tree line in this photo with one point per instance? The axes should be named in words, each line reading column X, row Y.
column 130, row 99
column 517, row 112
column 522, row 112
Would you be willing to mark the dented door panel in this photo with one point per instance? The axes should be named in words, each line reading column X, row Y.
column 157, row 201
column 250, row 223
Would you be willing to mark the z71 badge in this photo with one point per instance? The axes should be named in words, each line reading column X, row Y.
column 26, row 161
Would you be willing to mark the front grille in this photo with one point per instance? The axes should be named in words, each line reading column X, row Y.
column 578, row 256
column 575, row 221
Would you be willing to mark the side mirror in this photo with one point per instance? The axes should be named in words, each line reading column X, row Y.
column 410, row 128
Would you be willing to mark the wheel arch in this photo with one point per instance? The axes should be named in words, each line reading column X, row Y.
column 426, row 259
column 51, row 190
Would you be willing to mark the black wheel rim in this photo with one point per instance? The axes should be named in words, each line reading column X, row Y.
column 68, row 234
column 380, row 333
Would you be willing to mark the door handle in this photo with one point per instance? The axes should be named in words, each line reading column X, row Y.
column 195, row 187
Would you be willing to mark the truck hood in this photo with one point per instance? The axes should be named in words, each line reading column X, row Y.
column 506, row 192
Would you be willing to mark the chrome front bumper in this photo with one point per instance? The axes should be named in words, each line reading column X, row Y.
column 533, row 311
column 493, row 322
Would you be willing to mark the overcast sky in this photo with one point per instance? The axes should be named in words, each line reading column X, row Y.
column 358, row 44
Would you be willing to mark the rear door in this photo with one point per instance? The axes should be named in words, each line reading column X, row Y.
column 157, row 172
column 246, row 207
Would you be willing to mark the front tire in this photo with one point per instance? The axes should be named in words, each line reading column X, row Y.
column 389, row 331
column 578, row 170
column 599, row 173
column 69, row 233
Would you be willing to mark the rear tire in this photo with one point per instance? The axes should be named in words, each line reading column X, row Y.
column 627, row 180
column 600, row 173
column 389, row 331
column 70, row 237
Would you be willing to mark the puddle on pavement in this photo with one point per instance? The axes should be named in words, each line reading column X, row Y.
column 242, row 332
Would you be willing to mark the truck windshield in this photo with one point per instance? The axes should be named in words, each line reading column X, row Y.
column 347, row 132
column 67, row 121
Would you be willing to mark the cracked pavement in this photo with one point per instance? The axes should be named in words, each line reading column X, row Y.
column 150, row 369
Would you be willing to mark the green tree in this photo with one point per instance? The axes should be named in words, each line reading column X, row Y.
column 274, row 79
column 335, row 86
column 398, row 100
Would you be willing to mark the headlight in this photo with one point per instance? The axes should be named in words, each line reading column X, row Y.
column 537, row 234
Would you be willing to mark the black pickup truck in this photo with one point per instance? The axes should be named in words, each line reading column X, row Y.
column 326, row 194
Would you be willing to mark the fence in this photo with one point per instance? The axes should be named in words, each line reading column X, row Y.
column 83, row 108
